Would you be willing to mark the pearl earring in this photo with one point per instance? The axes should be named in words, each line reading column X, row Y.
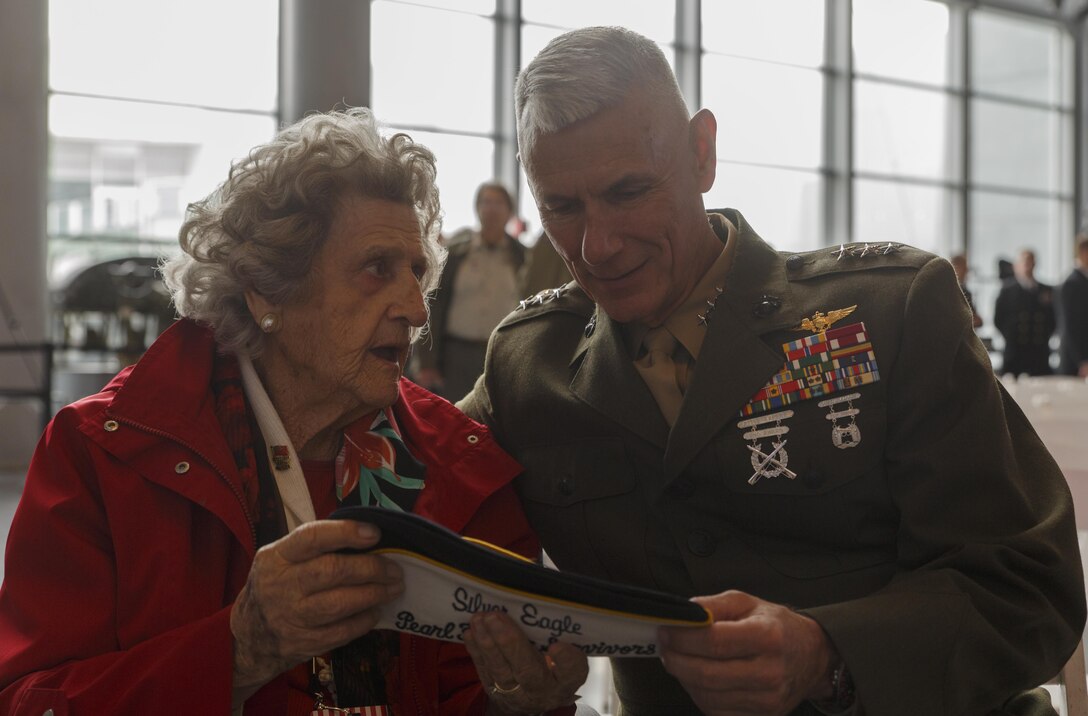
column 270, row 322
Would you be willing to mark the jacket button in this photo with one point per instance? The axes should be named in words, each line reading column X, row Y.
column 702, row 543
column 181, row 468
column 566, row 487
column 473, row 439
column 795, row 262
column 110, row 426
column 47, row 712
column 766, row 306
column 682, row 489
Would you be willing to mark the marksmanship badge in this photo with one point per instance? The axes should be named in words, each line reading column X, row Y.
column 773, row 463
column 846, row 434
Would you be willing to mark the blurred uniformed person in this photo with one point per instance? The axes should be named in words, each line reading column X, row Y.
column 813, row 442
column 1024, row 314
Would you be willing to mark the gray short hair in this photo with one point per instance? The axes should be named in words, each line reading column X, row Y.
column 584, row 71
column 261, row 229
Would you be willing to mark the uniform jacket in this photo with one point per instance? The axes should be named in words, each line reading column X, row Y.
column 430, row 351
column 1073, row 322
column 939, row 553
column 1026, row 321
column 131, row 541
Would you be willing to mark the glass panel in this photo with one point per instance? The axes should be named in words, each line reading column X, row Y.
column 127, row 169
column 767, row 113
column 783, row 206
column 1002, row 225
column 904, row 39
column 1020, row 58
column 1019, row 147
column 463, row 164
column 173, row 52
column 535, row 37
column 920, row 216
column 904, row 131
column 789, row 31
column 475, row 7
column 655, row 19
column 452, row 90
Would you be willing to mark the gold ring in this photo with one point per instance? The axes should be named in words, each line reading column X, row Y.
column 496, row 689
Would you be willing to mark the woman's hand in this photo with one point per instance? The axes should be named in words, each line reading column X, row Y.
column 304, row 599
column 519, row 679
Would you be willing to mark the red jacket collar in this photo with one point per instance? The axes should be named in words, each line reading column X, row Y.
column 168, row 392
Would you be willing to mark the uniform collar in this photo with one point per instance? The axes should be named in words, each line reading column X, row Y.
column 687, row 323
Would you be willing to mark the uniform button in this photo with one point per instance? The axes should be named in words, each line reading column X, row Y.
column 47, row 712
column 766, row 306
column 682, row 489
column 110, row 426
column 566, row 486
column 702, row 543
column 473, row 439
column 813, row 479
column 795, row 262
column 181, row 468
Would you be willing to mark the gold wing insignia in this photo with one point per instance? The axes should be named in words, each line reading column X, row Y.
column 821, row 321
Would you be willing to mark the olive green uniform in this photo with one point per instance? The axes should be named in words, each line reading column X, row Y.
column 939, row 552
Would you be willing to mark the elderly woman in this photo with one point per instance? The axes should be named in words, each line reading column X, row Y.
column 166, row 556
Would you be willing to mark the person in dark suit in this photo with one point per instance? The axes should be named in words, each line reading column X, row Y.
column 1024, row 314
column 812, row 445
column 1073, row 315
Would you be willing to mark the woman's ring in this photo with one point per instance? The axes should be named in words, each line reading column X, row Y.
column 496, row 689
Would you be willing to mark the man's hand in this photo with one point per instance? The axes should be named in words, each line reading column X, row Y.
column 756, row 658
column 303, row 599
column 518, row 678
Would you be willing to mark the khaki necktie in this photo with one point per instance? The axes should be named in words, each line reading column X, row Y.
column 665, row 376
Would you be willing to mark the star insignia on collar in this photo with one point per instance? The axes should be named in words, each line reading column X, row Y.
column 704, row 317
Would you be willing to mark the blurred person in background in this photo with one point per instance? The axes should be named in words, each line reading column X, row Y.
column 478, row 287
column 1024, row 315
column 168, row 555
column 1073, row 315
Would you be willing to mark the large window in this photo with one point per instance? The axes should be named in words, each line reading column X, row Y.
column 906, row 127
column 944, row 124
column 149, row 104
column 761, row 77
column 1021, row 147
column 440, row 88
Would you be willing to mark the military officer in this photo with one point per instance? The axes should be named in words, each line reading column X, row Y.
column 812, row 445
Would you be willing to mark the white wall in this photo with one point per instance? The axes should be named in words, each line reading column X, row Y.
column 23, row 153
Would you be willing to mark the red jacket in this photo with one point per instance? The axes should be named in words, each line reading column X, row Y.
column 122, row 565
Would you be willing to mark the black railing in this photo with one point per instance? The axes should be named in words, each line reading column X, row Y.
column 43, row 390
